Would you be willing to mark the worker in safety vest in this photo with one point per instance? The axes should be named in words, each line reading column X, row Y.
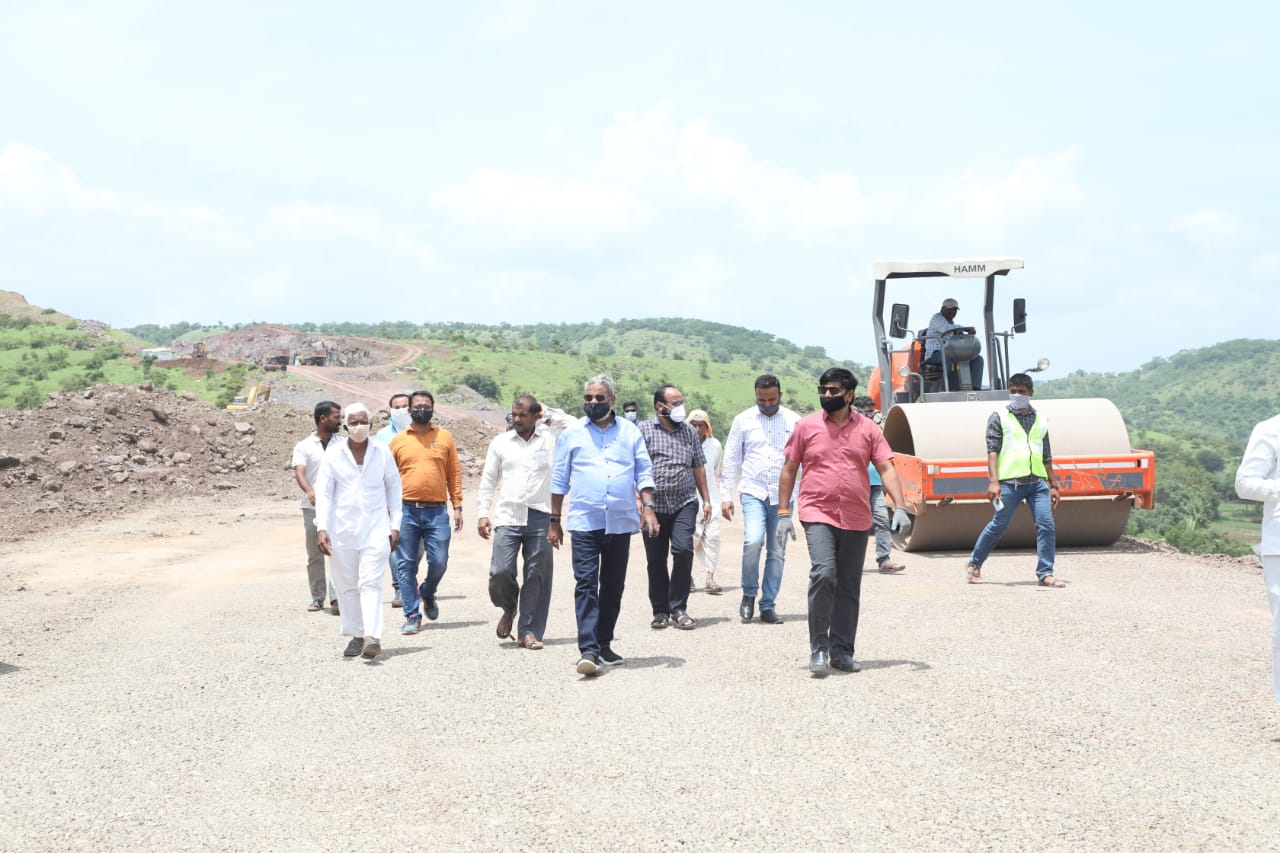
column 1019, row 468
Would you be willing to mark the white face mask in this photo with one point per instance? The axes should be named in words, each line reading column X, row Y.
column 1020, row 402
column 400, row 419
column 359, row 433
column 677, row 414
column 631, row 416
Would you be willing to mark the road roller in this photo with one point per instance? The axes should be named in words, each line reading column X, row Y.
column 935, row 420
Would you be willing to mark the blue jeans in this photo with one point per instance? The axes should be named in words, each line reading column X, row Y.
column 599, row 574
column 1041, row 505
column 880, row 521
column 418, row 528
column 759, row 530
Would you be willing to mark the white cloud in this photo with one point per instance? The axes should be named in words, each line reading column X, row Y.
column 1211, row 229
column 515, row 207
column 35, row 184
column 1035, row 187
column 1266, row 266
column 309, row 221
column 770, row 198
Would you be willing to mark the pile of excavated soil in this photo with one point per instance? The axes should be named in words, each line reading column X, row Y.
column 112, row 448
column 261, row 342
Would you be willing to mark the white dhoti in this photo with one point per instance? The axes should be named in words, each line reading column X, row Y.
column 1271, row 576
column 706, row 537
column 357, row 578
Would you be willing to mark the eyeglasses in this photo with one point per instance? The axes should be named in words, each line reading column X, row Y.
column 598, row 398
column 830, row 390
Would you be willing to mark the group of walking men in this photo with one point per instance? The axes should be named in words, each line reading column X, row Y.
column 369, row 502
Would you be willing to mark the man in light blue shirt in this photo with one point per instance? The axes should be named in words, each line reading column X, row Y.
column 398, row 406
column 603, row 460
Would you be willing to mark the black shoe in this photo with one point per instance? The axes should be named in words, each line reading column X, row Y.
column 611, row 658
column 818, row 664
column 588, row 664
column 431, row 609
column 845, row 663
column 659, row 621
column 747, row 609
column 771, row 616
column 354, row 647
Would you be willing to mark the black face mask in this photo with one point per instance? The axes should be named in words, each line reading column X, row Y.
column 596, row 411
column 421, row 417
column 770, row 411
column 831, row 405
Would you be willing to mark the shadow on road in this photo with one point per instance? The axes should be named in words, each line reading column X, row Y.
column 6, row 668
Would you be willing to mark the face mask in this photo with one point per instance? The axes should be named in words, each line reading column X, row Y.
column 421, row 417
column 831, row 405
column 596, row 411
column 631, row 416
column 768, row 411
column 677, row 414
column 1020, row 402
column 359, row 433
column 400, row 419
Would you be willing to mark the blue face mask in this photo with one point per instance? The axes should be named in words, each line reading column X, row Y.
column 631, row 416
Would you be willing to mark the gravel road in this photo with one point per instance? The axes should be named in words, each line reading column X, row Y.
column 163, row 687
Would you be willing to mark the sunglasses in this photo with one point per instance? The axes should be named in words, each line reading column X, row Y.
column 830, row 390
column 599, row 398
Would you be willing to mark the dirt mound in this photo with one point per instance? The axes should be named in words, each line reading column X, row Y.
column 260, row 343
column 94, row 452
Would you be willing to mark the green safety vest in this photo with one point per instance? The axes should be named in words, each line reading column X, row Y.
column 1021, row 454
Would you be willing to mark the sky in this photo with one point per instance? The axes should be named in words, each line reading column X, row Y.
column 739, row 162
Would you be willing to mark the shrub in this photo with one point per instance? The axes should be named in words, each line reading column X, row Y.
column 482, row 385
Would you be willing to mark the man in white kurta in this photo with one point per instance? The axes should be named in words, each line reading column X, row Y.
column 358, row 524
column 1258, row 479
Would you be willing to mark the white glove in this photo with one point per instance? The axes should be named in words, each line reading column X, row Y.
column 784, row 529
column 901, row 522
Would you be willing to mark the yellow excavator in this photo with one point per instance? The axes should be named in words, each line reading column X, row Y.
column 255, row 395
column 936, row 425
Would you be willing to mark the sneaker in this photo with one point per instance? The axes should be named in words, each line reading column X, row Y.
column 411, row 627
column 588, row 665
column 431, row 609
column 889, row 567
column 371, row 649
column 396, row 602
column 354, row 647
column 611, row 658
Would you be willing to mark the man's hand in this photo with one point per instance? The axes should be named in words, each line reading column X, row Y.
column 649, row 522
column 706, row 513
column 311, row 496
column 322, row 542
column 483, row 528
column 457, row 518
column 784, row 531
column 901, row 522
column 993, row 491
column 395, row 539
column 555, row 534
column 1055, row 497
column 726, row 509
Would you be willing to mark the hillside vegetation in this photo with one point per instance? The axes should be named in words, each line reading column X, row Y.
column 1194, row 409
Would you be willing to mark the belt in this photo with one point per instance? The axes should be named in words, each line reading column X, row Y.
column 424, row 504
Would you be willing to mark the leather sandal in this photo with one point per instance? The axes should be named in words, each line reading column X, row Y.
column 529, row 641
column 1051, row 581
column 974, row 573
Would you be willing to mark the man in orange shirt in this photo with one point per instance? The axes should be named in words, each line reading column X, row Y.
column 431, row 477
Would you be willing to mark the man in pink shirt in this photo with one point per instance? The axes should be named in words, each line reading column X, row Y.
column 834, row 447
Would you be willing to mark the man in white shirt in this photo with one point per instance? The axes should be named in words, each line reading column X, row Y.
column 358, row 509
column 752, row 464
column 398, row 409
column 307, row 456
column 1258, row 479
column 517, row 467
